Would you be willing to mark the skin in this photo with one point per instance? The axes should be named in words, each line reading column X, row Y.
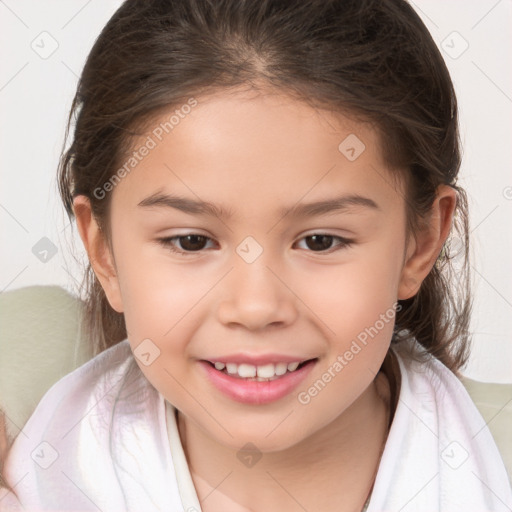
column 254, row 154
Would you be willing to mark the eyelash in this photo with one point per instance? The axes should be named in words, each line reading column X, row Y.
column 167, row 242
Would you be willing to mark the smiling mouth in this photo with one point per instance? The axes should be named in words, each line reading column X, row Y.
column 259, row 373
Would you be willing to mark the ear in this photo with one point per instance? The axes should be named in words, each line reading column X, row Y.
column 424, row 248
column 96, row 245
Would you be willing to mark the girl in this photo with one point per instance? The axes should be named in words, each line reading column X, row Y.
column 265, row 191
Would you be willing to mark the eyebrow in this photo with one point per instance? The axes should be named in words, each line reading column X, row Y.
column 191, row 206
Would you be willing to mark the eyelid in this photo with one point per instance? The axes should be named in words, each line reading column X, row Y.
column 166, row 242
column 343, row 244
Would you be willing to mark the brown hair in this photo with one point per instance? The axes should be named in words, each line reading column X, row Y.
column 372, row 58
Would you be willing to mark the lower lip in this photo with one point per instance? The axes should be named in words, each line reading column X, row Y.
column 254, row 392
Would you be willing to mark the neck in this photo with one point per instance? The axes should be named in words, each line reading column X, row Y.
column 334, row 469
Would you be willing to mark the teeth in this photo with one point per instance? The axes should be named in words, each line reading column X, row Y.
column 292, row 367
column 266, row 371
column 259, row 373
column 246, row 370
column 232, row 367
column 281, row 368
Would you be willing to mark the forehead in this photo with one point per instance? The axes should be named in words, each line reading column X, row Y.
column 242, row 146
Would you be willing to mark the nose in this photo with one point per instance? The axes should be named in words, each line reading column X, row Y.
column 256, row 296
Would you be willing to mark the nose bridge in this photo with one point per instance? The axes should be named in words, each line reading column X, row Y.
column 253, row 294
column 252, row 276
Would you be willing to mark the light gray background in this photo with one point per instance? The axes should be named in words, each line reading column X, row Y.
column 36, row 90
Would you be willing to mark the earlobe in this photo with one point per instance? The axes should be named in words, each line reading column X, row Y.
column 425, row 245
column 98, row 251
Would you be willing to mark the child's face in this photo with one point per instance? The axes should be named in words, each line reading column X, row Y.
column 258, row 285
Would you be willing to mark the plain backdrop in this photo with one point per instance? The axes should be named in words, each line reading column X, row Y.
column 43, row 47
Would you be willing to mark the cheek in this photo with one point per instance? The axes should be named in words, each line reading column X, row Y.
column 356, row 304
column 163, row 307
column 350, row 297
column 160, row 307
column 358, row 319
column 156, row 291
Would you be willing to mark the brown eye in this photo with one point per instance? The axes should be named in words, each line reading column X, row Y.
column 192, row 242
column 185, row 244
column 321, row 242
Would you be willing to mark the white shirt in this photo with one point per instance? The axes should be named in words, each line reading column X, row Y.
column 104, row 438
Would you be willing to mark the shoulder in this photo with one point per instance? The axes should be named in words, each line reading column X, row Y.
column 88, row 382
column 439, row 442
column 428, row 385
column 94, row 434
column 91, row 387
column 422, row 371
column 436, row 395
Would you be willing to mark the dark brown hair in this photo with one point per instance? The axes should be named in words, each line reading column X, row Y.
column 374, row 59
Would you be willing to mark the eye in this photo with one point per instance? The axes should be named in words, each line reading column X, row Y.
column 190, row 243
column 322, row 242
column 194, row 243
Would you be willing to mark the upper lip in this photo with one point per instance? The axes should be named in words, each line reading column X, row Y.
column 258, row 360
